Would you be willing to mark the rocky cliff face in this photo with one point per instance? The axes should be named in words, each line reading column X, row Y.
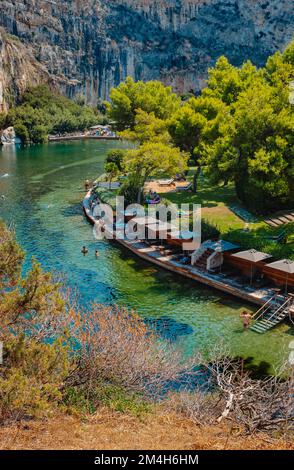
column 19, row 69
column 88, row 46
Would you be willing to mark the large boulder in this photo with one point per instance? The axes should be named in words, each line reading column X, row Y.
column 9, row 137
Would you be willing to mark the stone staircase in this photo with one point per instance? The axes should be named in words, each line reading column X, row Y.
column 201, row 262
column 271, row 314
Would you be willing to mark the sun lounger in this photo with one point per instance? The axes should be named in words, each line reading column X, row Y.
column 166, row 182
column 243, row 214
column 184, row 187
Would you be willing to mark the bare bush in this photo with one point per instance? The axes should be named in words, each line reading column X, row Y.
column 118, row 347
column 202, row 407
column 256, row 404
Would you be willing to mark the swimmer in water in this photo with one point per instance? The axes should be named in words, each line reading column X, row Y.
column 85, row 251
column 246, row 319
column 97, row 254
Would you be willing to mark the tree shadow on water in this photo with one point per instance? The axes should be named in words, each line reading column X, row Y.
column 257, row 371
column 168, row 328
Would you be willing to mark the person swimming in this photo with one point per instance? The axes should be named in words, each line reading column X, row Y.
column 85, row 250
column 97, row 254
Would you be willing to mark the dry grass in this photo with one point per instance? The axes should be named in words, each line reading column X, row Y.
column 110, row 431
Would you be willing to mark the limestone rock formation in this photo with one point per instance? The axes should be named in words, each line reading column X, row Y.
column 19, row 69
column 8, row 136
column 88, row 46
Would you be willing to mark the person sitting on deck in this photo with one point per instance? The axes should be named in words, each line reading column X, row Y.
column 246, row 319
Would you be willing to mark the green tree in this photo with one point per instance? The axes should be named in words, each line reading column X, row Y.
column 116, row 156
column 39, row 134
column 154, row 158
column 279, row 67
column 131, row 188
column 186, row 127
column 255, row 149
column 36, row 358
column 250, row 141
column 11, row 258
column 43, row 112
column 147, row 128
column 192, row 125
column 112, row 171
column 226, row 82
column 130, row 96
column 3, row 118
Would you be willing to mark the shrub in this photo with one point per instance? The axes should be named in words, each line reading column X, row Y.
column 130, row 188
column 209, row 231
column 118, row 348
column 118, row 399
column 3, row 118
column 116, row 156
column 39, row 134
column 22, row 132
column 31, row 377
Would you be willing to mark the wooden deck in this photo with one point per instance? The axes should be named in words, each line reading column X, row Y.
column 216, row 281
column 81, row 137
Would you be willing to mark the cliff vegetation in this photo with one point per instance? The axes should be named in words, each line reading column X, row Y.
column 41, row 112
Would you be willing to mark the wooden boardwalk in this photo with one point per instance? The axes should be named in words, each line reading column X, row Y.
column 167, row 262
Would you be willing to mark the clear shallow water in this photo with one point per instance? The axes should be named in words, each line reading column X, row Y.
column 43, row 189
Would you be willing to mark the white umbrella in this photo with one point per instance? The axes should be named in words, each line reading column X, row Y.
column 285, row 265
column 253, row 256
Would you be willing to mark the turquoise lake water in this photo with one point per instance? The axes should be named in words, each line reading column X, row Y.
column 43, row 189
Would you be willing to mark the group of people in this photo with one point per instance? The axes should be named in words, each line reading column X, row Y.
column 85, row 251
column 152, row 197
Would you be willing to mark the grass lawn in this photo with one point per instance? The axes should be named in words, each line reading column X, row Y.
column 214, row 201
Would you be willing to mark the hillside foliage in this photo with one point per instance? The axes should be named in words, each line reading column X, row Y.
column 42, row 112
column 240, row 129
